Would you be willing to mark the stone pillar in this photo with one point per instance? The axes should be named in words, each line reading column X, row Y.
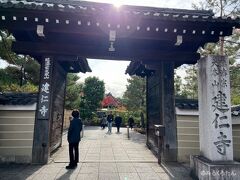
column 168, row 113
column 215, row 124
column 40, row 150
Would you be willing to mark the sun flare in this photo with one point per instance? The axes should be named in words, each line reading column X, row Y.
column 117, row 3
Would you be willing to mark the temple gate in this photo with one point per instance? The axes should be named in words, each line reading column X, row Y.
column 61, row 34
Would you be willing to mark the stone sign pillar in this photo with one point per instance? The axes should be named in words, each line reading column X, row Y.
column 215, row 124
column 215, row 121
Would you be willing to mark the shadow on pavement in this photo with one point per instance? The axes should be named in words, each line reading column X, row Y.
column 18, row 171
column 66, row 175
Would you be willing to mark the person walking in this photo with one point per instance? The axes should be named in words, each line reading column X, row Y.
column 118, row 121
column 74, row 138
column 109, row 121
column 131, row 122
column 103, row 121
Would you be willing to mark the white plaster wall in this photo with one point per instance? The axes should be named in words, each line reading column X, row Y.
column 16, row 133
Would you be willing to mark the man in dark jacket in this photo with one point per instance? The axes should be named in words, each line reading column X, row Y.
column 131, row 122
column 118, row 121
column 74, row 138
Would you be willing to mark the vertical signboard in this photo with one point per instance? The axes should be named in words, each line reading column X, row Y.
column 45, row 90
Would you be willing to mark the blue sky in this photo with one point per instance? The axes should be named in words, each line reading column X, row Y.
column 113, row 72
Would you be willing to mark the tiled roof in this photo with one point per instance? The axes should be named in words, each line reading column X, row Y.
column 96, row 8
column 193, row 105
column 18, row 98
column 109, row 100
column 31, row 98
column 186, row 103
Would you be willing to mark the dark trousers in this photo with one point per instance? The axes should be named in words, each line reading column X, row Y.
column 118, row 128
column 74, row 156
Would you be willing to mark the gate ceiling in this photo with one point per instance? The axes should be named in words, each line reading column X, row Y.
column 97, row 30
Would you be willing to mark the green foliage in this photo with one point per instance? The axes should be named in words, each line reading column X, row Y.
column 5, row 47
column 93, row 93
column 177, row 84
column 230, row 46
column 16, row 88
column 190, row 88
column 73, row 90
column 95, row 120
column 135, row 95
column 219, row 7
column 23, row 71
column 235, row 84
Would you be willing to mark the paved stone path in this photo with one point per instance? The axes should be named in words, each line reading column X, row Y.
column 102, row 157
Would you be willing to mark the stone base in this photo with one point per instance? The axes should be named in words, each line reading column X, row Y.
column 204, row 169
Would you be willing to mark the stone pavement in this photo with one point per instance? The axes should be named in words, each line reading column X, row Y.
column 102, row 157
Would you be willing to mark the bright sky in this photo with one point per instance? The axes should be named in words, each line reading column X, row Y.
column 113, row 72
column 184, row 4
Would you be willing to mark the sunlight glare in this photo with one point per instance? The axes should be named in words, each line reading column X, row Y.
column 117, row 3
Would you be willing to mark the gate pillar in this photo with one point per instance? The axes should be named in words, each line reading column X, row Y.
column 168, row 113
column 161, row 110
column 41, row 137
column 50, row 110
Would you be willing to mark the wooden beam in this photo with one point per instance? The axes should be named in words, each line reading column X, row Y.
column 122, row 53
column 167, row 44
column 74, row 32
column 99, row 25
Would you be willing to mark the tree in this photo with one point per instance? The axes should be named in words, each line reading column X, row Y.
column 93, row 93
column 177, row 85
column 190, row 88
column 73, row 91
column 22, row 70
column 235, row 84
column 135, row 97
column 221, row 8
column 230, row 46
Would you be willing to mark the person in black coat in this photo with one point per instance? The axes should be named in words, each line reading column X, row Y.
column 74, row 138
column 118, row 121
column 131, row 122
